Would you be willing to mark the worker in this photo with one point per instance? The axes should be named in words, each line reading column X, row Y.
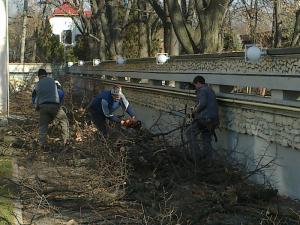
column 46, row 98
column 61, row 93
column 102, row 107
column 205, row 120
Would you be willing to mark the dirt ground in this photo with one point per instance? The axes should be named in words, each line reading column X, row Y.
column 133, row 177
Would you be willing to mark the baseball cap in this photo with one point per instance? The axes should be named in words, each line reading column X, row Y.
column 116, row 90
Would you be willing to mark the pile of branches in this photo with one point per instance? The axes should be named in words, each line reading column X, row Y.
column 88, row 176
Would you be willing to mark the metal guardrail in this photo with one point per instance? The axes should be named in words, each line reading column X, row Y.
column 270, row 81
column 264, row 103
column 275, row 81
column 279, row 88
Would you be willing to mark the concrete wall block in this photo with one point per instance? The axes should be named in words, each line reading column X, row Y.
column 288, row 120
column 284, row 142
column 255, row 132
column 249, row 114
column 248, row 126
column 296, row 146
column 296, row 138
column 264, row 136
column 296, row 124
column 278, row 119
column 295, row 131
column 268, row 117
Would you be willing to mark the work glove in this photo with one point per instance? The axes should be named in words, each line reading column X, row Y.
column 126, row 123
column 131, row 123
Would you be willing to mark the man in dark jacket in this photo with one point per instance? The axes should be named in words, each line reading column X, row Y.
column 206, row 119
column 61, row 93
column 47, row 100
column 104, row 104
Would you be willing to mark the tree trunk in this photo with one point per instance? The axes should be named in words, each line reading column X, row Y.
column 105, row 30
column 171, row 38
column 34, row 47
column 93, row 46
column 174, row 43
column 254, row 31
column 296, row 34
column 180, row 28
column 211, row 19
column 24, row 31
column 196, row 32
column 33, row 52
column 277, row 24
column 102, row 45
column 166, row 21
column 167, row 31
column 99, row 26
column 167, row 28
column 143, row 33
column 115, row 26
column 151, row 28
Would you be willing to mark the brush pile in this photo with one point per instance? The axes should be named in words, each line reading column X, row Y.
column 133, row 177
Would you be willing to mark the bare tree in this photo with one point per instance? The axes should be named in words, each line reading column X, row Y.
column 277, row 24
column 143, row 31
column 196, row 23
column 211, row 17
column 178, row 22
column 251, row 9
column 24, row 30
column 170, row 39
column 296, row 34
column 104, row 27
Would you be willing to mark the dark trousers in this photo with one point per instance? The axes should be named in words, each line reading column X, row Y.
column 204, row 150
column 49, row 112
column 99, row 120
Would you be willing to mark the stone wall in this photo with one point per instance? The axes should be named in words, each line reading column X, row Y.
column 278, row 126
column 281, row 127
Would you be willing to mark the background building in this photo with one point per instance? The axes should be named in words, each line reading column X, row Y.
column 63, row 23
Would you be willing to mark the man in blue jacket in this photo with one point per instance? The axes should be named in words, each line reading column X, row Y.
column 206, row 119
column 104, row 104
